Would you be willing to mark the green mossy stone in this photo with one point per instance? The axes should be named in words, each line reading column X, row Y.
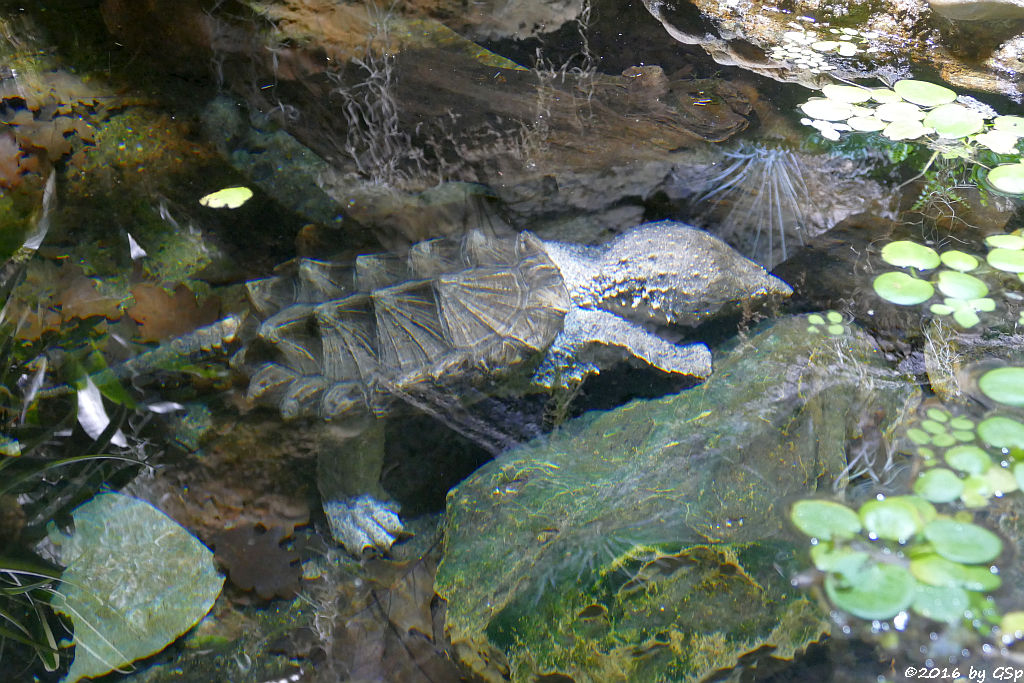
column 825, row 519
column 923, row 93
column 962, row 541
column 879, row 592
column 1004, row 385
column 902, row 289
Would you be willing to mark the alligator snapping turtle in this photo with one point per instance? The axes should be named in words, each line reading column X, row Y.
column 333, row 338
column 340, row 337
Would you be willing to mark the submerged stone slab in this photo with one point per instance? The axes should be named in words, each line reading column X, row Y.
column 650, row 542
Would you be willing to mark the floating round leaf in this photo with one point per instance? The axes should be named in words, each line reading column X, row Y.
column 937, row 414
column 1002, row 432
column 1007, row 178
column 958, row 260
column 1005, row 385
column 923, row 93
column 962, row 541
column 1001, row 480
column 892, row 519
column 977, row 491
column 846, row 93
column 946, row 604
column 934, row 570
column 902, row 289
column 1012, row 626
column 961, row 285
column 841, row 560
column 825, row 519
column 815, row 319
column 966, row 317
column 228, row 198
column 938, row 485
column 941, row 309
column 1002, row 241
column 907, row 254
column 827, row 109
column 1006, row 260
column 1012, row 124
column 883, row 95
column 866, row 124
column 905, row 130
column 954, row 121
column 968, row 458
column 1018, row 474
column 834, row 316
column 999, row 141
column 879, row 592
column 899, row 111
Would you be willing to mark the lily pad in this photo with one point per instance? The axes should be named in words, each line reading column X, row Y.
column 907, row 254
column 866, row 124
column 850, row 94
column 1001, row 241
column 228, row 198
column 135, row 581
column 961, row 285
column 1006, row 260
column 905, row 130
column 958, row 260
column 963, row 541
column 879, row 592
column 902, row 289
column 999, row 141
column 939, row 485
column 1005, row 385
column 824, row 519
column 899, row 111
column 1012, row 124
column 840, row 560
column 969, row 459
column 946, row 604
column 954, row 121
column 923, row 93
column 893, row 519
column 1007, row 178
column 827, row 109
column 1002, row 432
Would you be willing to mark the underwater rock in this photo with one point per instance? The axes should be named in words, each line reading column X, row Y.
column 854, row 41
column 648, row 542
column 978, row 10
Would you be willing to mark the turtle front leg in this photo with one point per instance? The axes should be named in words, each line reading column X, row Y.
column 592, row 339
column 348, row 475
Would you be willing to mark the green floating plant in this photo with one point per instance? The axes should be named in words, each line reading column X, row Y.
column 962, row 278
column 899, row 553
column 831, row 323
column 924, row 112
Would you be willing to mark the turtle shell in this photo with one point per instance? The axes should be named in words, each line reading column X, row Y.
column 335, row 336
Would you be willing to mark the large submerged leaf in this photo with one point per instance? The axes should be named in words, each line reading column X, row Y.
column 135, row 581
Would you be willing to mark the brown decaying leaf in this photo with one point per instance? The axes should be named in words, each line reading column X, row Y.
column 162, row 316
column 255, row 560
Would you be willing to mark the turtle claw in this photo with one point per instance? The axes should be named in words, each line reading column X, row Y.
column 363, row 522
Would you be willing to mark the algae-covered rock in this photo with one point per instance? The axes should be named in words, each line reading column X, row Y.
column 650, row 542
column 135, row 581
